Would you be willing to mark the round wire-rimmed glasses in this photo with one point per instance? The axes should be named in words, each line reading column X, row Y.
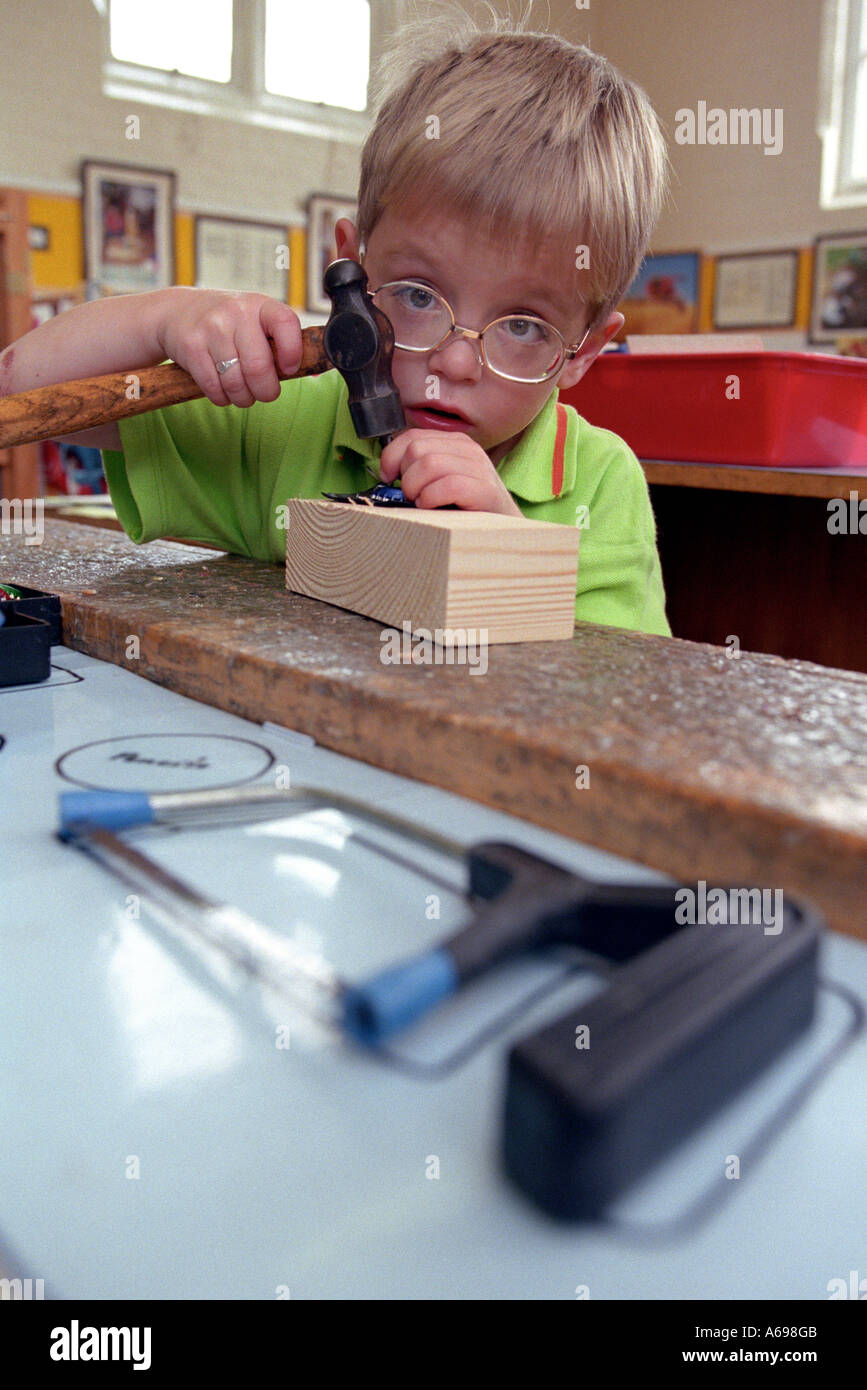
column 519, row 347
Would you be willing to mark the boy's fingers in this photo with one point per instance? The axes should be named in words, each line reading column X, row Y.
column 281, row 325
column 389, row 462
column 413, row 447
column 200, row 364
column 452, row 490
column 417, row 473
column 467, row 490
column 257, row 363
column 232, row 379
column 393, row 458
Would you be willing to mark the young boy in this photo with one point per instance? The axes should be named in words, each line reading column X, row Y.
column 508, row 192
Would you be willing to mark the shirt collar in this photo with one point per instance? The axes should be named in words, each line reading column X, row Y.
column 526, row 469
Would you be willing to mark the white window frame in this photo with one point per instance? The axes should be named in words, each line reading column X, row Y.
column 838, row 78
column 243, row 97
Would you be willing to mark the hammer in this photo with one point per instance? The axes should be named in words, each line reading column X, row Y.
column 357, row 339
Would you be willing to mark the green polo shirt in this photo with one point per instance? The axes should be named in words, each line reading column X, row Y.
column 222, row 475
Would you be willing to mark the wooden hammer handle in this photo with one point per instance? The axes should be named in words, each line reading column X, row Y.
column 69, row 406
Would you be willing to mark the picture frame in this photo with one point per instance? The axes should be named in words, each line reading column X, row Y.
column 839, row 300
column 234, row 253
column 129, row 234
column 664, row 296
column 756, row 289
column 323, row 212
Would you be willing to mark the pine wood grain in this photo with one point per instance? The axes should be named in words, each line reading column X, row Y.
column 438, row 570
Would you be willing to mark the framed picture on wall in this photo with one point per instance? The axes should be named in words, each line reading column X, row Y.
column 839, row 287
column 757, row 289
column 234, row 254
column 663, row 297
column 129, row 241
column 323, row 212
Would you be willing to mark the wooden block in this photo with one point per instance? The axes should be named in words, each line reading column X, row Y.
column 436, row 569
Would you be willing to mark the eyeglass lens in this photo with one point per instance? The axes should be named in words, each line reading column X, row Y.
column 524, row 348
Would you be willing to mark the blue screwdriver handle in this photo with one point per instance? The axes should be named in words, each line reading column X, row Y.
column 108, row 810
column 527, row 902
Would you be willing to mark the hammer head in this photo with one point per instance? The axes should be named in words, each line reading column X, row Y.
column 359, row 342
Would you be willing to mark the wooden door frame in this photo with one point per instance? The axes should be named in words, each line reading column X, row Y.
column 19, row 466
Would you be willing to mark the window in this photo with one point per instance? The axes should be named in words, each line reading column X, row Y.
column 843, row 117
column 303, row 61
column 291, row 64
column 193, row 37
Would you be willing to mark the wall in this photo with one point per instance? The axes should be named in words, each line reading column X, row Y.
column 741, row 53
column 53, row 114
column 728, row 53
column 762, row 53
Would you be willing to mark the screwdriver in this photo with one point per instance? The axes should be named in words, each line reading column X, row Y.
column 521, row 902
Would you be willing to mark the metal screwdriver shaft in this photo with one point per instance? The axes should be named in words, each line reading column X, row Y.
column 275, row 961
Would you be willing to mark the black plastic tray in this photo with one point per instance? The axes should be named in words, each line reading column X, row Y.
column 36, row 603
column 25, row 647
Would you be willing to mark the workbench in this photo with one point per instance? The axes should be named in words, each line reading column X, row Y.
column 751, row 767
column 158, row 1142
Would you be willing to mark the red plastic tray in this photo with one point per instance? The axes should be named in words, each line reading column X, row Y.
column 795, row 409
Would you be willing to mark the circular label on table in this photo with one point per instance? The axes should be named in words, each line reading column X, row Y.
column 165, row 762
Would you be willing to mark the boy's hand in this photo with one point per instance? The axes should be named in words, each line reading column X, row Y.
column 442, row 468
column 199, row 328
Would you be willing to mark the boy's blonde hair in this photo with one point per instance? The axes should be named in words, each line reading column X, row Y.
column 534, row 136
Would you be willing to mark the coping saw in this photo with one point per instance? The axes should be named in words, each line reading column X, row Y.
column 690, row 1014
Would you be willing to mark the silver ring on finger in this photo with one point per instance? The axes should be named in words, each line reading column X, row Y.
column 223, row 367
